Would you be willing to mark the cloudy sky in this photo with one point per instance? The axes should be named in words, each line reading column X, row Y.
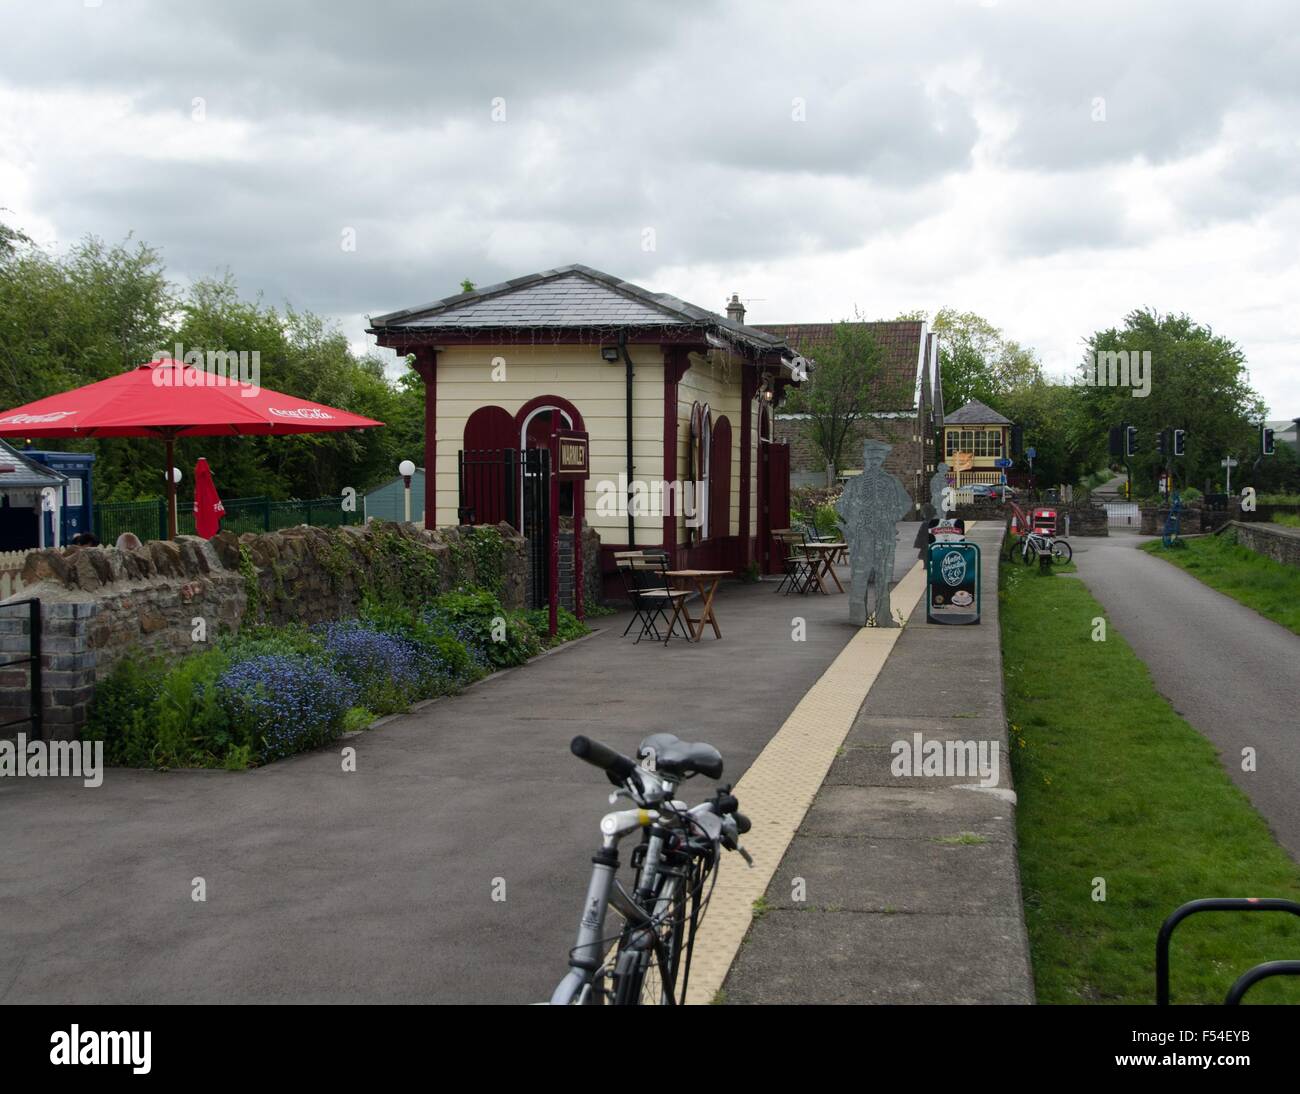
column 1048, row 165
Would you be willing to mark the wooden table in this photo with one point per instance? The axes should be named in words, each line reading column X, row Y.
column 823, row 555
column 706, row 584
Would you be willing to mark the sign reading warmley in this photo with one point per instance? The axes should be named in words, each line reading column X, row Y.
column 572, row 454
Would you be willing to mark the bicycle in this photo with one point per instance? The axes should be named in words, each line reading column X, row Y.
column 678, row 854
column 1036, row 542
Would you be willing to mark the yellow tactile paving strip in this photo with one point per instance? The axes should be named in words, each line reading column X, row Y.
column 779, row 787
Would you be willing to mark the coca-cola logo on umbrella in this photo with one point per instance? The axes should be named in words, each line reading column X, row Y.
column 309, row 412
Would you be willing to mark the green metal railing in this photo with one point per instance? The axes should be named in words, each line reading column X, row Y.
column 148, row 519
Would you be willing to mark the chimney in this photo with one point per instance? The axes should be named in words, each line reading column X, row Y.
column 735, row 309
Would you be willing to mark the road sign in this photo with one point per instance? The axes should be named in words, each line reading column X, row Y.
column 1032, row 453
column 1002, row 463
column 1229, row 462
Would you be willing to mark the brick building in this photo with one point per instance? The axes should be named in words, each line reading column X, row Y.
column 909, row 364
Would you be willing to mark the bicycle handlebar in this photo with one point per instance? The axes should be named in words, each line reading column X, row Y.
column 602, row 756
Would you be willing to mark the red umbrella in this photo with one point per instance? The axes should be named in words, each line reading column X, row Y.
column 208, row 509
column 169, row 399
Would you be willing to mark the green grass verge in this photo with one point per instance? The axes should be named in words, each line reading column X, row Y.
column 1113, row 785
column 1269, row 587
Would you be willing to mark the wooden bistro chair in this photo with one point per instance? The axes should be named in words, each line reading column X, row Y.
column 800, row 567
column 645, row 578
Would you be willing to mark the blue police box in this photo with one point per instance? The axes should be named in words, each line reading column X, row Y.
column 78, row 492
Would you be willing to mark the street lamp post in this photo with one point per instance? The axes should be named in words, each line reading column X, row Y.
column 406, row 469
column 173, row 482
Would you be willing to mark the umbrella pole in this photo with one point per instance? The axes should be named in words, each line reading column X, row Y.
column 171, row 488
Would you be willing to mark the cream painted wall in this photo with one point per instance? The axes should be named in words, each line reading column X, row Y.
column 576, row 373
column 716, row 381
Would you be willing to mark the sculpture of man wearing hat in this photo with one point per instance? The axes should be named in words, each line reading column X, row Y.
column 872, row 503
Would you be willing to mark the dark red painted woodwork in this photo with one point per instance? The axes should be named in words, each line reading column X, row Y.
column 774, row 502
column 676, row 362
column 720, row 479
column 547, row 401
column 490, row 427
column 426, row 365
column 748, row 385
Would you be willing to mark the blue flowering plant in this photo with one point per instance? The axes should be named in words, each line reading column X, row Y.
column 279, row 704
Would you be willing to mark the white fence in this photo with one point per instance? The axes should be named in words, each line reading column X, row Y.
column 11, row 572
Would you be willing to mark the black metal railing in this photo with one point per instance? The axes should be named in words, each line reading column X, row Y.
column 507, row 484
column 1222, row 904
column 35, row 716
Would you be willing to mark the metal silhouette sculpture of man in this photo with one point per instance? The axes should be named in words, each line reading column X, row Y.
column 872, row 503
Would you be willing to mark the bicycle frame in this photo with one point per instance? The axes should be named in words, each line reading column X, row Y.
column 587, row 957
column 657, row 890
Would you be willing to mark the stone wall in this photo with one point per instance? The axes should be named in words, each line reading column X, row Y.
column 99, row 603
column 1276, row 541
column 1085, row 520
column 1153, row 521
column 592, row 583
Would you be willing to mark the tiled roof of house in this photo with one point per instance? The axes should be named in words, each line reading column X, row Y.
column 575, row 297
column 901, row 344
column 975, row 413
column 27, row 474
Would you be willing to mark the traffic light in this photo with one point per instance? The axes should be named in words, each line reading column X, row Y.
column 1117, row 440
column 1162, row 442
column 1017, row 440
column 1130, row 440
column 1180, row 442
column 1266, row 440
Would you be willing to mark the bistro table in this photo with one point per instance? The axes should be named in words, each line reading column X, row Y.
column 823, row 556
column 706, row 584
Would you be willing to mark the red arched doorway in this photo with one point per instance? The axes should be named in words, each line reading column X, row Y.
column 720, row 479
column 534, row 422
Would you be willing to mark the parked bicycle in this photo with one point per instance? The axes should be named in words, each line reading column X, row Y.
column 1038, row 542
column 674, row 871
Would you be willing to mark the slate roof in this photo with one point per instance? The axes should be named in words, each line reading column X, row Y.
column 901, row 353
column 975, row 413
column 27, row 474
column 570, row 297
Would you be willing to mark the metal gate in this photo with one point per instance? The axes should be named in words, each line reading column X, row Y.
column 506, row 484
column 26, row 696
column 1123, row 514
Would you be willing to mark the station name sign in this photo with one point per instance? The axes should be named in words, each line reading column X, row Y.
column 572, row 454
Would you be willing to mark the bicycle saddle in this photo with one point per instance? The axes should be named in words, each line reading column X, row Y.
column 678, row 757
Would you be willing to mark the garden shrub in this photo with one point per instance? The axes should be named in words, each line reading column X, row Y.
column 122, row 713
column 383, row 668
column 272, row 691
column 483, row 624
column 567, row 625
column 278, row 705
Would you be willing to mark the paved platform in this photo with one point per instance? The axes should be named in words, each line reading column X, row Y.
column 903, row 889
column 378, row 885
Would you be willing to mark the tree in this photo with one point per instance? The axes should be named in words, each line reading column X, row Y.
column 844, row 386
column 1199, row 382
column 1054, row 424
column 98, row 310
